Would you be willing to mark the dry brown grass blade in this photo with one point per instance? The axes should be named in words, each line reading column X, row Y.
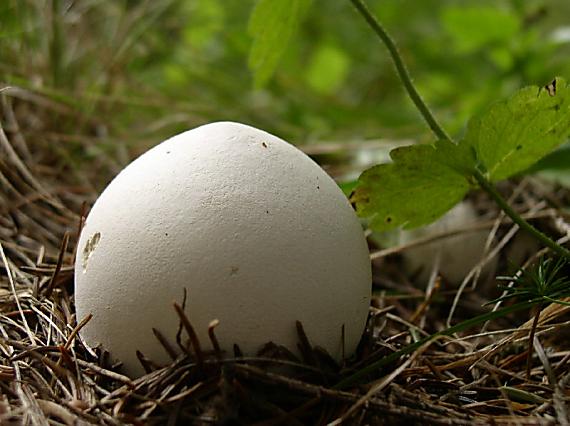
column 165, row 344
column 400, row 412
column 76, row 330
column 15, row 294
column 548, row 314
column 378, row 387
column 52, row 282
column 191, row 333
column 212, row 335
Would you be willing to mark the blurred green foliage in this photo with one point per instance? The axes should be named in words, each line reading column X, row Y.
column 272, row 24
column 150, row 68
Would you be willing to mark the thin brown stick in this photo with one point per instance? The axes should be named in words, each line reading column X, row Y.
column 191, row 334
column 76, row 330
column 531, row 340
column 212, row 335
column 165, row 344
column 52, row 282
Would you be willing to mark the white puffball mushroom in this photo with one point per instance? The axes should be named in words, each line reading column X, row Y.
column 254, row 230
column 456, row 255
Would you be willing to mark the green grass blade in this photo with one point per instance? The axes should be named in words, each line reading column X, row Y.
column 393, row 357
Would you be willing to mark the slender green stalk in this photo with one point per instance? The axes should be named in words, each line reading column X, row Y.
column 402, row 70
column 490, row 189
column 393, row 357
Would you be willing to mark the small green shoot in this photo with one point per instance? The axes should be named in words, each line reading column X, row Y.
column 545, row 282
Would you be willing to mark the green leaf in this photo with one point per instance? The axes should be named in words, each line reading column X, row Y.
column 515, row 133
column 459, row 157
column 272, row 25
column 422, row 183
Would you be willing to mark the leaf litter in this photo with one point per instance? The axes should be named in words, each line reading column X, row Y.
column 48, row 375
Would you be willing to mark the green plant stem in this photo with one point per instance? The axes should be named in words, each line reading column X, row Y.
column 394, row 356
column 401, row 69
column 490, row 189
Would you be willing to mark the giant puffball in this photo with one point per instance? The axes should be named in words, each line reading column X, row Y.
column 255, row 233
column 454, row 256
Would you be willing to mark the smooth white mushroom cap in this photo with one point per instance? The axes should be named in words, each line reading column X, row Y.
column 255, row 231
column 456, row 255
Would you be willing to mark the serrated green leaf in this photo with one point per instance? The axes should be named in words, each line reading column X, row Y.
column 422, row 183
column 515, row 133
column 459, row 157
column 272, row 25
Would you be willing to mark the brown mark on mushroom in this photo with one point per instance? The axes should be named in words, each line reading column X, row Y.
column 89, row 248
column 264, row 144
column 234, row 270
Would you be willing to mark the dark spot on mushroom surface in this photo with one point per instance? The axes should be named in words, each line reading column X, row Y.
column 318, row 187
column 267, row 211
column 234, row 270
column 264, row 144
column 89, row 248
column 166, row 234
column 168, row 152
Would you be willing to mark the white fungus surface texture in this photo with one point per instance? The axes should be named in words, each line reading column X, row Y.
column 454, row 256
column 254, row 230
